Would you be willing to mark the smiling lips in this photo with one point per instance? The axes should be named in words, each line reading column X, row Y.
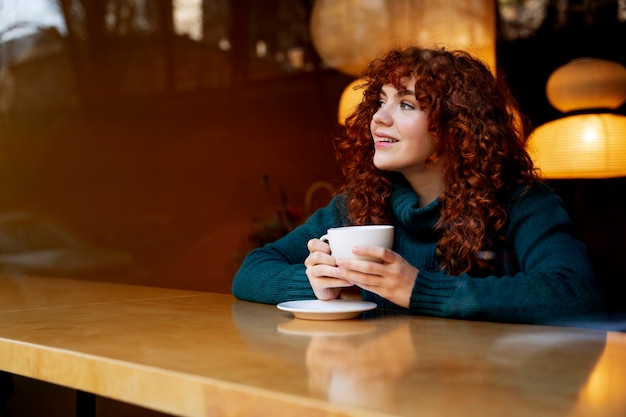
column 383, row 140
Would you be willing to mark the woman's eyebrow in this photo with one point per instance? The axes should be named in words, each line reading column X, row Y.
column 400, row 93
column 406, row 92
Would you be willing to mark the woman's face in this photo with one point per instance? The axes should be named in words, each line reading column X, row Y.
column 400, row 131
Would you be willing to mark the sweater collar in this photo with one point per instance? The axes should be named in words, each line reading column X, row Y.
column 406, row 210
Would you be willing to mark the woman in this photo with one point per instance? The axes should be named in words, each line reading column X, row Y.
column 437, row 148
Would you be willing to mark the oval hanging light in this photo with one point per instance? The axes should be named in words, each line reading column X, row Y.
column 587, row 83
column 581, row 146
column 591, row 143
column 348, row 34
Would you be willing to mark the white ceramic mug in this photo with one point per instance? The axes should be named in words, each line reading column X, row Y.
column 343, row 239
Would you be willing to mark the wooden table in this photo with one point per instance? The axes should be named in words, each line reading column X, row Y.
column 201, row 354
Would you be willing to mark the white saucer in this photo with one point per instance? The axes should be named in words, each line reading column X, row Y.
column 326, row 310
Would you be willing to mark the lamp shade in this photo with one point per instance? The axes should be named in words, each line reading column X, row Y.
column 347, row 34
column 581, row 146
column 350, row 98
column 587, row 83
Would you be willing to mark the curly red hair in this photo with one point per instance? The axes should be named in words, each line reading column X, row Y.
column 475, row 123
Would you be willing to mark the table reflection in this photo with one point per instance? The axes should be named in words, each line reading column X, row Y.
column 494, row 369
column 360, row 371
column 603, row 394
column 409, row 365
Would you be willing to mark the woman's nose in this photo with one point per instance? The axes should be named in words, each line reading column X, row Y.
column 382, row 116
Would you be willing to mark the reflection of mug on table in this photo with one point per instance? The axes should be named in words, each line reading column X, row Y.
column 360, row 371
column 343, row 239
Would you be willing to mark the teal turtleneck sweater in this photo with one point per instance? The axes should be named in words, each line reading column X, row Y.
column 542, row 273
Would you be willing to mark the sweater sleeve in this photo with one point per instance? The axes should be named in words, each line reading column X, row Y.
column 550, row 278
column 275, row 272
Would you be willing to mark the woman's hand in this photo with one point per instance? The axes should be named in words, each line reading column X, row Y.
column 392, row 279
column 322, row 271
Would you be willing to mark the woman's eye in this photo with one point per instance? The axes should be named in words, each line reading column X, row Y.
column 380, row 103
column 407, row 106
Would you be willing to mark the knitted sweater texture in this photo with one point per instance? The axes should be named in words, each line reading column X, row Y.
column 542, row 272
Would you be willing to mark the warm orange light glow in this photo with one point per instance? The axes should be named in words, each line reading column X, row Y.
column 604, row 392
column 350, row 98
column 581, row 146
column 587, row 83
column 348, row 34
column 585, row 145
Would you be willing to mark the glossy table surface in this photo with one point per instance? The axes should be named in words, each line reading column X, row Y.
column 196, row 354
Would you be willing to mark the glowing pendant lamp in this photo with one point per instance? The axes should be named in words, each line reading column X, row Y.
column 591, row 142
column 350, row 98
column 348, row 34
